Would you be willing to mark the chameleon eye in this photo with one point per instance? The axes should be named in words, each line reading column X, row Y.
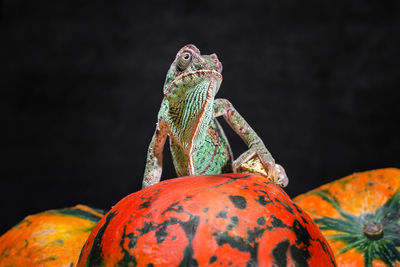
column 184, row 61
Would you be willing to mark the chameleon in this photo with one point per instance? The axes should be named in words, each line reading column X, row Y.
column 188, row 116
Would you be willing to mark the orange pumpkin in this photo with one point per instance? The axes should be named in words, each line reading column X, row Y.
column 223, row 220
column 359, row 215
column 50, row 238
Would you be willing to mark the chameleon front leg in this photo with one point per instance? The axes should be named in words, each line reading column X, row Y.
column 153, row 169
column 276, row 173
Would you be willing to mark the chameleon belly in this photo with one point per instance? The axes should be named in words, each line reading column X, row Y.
column 214, row 156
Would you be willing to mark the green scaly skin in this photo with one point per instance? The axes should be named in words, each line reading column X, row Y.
column 188, row 116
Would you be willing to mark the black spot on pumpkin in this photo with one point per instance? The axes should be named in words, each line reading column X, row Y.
column 188, row 260
column 279, row 253
column 239, row 202
column 224, row 183
column 302, row 234
column 148, row 226
column 261, row 199
column 94, row 257
column 222, row 214
column 236, row 177
column 276, row 222
column 298, row 209
column 174, row 207
column 161, row 234
column 127, row 259
column 326, row 249
column 205, row 209
column 132, row 240
column 261, row 221
column 253, row 234
column 251, row 263
column 213, row 259
column 304, row 220
column 285, row 205
column 233, row 223
column 300, row 255
column 144, row 205
column 234, row 219
column 190, row 228
column 150, row 265
column 236, row 242
column 229, row 227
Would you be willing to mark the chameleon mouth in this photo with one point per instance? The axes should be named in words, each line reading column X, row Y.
column 189, row 75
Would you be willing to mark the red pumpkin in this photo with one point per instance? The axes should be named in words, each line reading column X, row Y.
column 232, row 219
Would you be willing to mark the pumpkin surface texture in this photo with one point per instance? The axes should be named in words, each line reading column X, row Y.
column 222, row 220
column 50, row 238
column 359, row 215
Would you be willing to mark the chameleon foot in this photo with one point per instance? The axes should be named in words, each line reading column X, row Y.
column 267, row 163
column 254, row 165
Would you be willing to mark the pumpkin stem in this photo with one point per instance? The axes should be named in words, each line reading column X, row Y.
column 373, row 230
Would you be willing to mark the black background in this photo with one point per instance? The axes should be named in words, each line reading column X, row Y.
column 81, row 84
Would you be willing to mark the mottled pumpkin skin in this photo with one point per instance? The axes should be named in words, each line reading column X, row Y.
column 50, row 238
column 342, row 208
column 224, row 220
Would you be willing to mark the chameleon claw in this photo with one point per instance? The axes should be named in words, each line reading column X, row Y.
column 254, row 165
column 247, row 156
column 266, row 163
column 279, row 176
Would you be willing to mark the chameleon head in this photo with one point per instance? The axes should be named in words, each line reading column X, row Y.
column 190, row 68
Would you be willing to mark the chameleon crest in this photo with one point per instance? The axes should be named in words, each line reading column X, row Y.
column 188, row 116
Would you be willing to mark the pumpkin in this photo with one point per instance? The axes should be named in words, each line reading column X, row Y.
column 359, row 215
column 229, row 220
column 50, row 238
